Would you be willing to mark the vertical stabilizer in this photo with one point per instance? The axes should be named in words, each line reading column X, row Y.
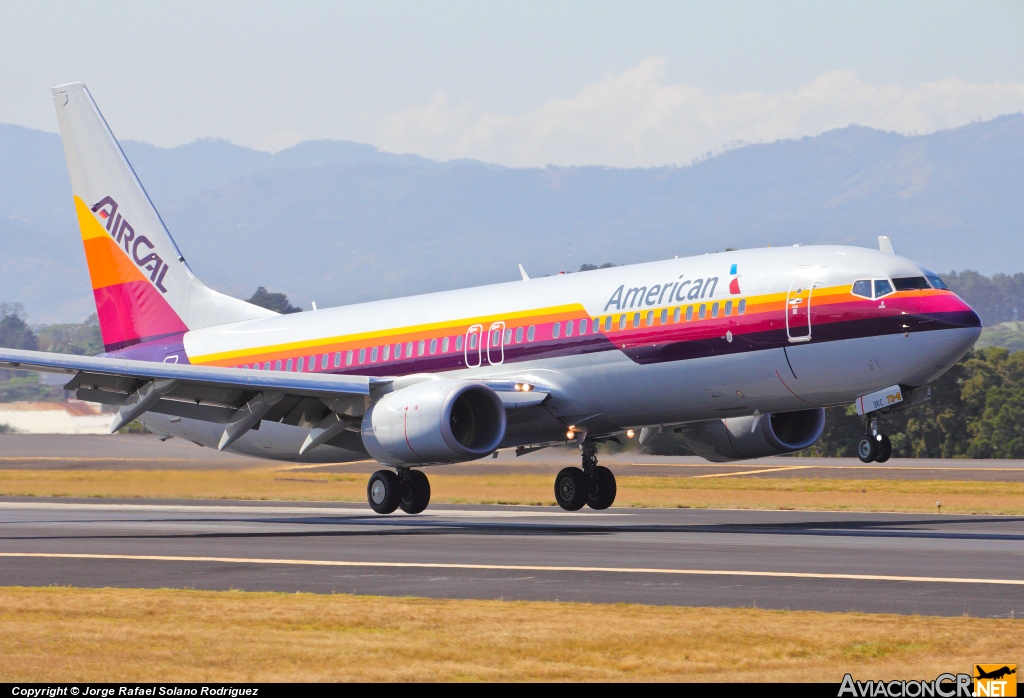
column 142, row 286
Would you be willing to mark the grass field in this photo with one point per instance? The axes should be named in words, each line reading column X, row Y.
column 61, row 634
column 962, row 497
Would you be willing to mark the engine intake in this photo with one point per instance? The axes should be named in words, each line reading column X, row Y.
column 738, row 438
column 443, row 421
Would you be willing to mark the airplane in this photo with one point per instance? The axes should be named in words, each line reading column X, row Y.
column 733, row 354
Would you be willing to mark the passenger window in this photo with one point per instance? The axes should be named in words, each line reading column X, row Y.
column 323, row 361
column 373, row 355
column 636, row 319
column 348, row 357
column 473, row 341
column 458, row 343
column 910, row 283
column 266, row 366
column 568, row 328
column 714, row 309
column 277, row 365
column 531, row 333
column 433, row 345
column 508, row 336
column 300, row 364
column 444, row 345
column 387, row 352
column 728, row 307
column 689, row 313
column 288, row 365
column 519, row 335
column 664, row 316
column 703, row 311
column 337, row 359
column 650, row 318
column 861, row 288
column 882, row 288
column 675, row 315
column 742, row 307
column 408, row 350
column 421, row 348
column 312, row 363
column 583, row 326
column 622, row 322
column 362, row 355
column 608, row 324
column 556, row 330
column 398, row 351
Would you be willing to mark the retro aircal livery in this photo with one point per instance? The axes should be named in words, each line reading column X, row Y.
column 733, row 354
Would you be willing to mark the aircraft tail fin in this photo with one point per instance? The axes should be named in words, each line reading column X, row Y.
column 142, row 285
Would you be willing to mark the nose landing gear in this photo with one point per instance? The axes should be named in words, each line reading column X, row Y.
column 873, row 447
column 593, row 485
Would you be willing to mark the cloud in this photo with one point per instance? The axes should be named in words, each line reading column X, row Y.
column 636, row 118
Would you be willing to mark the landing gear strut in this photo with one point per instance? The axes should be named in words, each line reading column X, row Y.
column 874, row 446
column 593, row 485
column 408, row 489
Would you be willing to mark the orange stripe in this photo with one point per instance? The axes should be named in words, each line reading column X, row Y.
column 108, row 264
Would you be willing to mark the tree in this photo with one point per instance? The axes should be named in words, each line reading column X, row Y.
column 15, row 334
column 278, row 302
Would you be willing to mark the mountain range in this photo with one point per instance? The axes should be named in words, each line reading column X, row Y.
column 338, row 222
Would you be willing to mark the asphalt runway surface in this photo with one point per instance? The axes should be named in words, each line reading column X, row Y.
column 929, row 564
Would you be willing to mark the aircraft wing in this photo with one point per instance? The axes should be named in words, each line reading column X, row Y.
column 237, row 398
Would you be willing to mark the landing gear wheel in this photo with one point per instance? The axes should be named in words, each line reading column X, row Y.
column 884, row 449
column 571, row 489
column 867, row 449
column 383, row 491
column 601, row 488
column 415, row 492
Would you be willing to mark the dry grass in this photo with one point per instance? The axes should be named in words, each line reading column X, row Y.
column 964, row 497
column 59, row 634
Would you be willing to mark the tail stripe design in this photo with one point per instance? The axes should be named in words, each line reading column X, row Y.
column 130, row 309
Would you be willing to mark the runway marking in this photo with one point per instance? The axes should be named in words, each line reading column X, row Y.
column 519, row 568
column 519, row 512
column 755, row 472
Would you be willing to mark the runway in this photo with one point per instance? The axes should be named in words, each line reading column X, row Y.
column 910, row 564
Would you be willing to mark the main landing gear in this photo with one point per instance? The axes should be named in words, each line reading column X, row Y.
column 873, row 447
column 593, row 485
column 407, row 489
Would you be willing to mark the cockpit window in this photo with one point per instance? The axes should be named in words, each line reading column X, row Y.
column 910, row 283
column 861, row 288
column 882, row 287
column 936, row 282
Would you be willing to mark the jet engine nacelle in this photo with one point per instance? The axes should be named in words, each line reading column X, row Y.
column 443, row 421
column 737, row 438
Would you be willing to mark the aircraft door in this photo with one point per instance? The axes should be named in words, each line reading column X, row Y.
column 474, row 346
column 798, row 303
column 496, row 343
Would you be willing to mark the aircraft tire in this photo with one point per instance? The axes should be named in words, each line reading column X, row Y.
column 415, row 493
column 867, row 449
column 884, row 449
column 602, row 495
column 383, row 491
column 571, row 489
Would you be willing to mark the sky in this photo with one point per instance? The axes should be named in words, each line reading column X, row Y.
column 523, row 83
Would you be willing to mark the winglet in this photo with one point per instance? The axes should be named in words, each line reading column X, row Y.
column 885, row 244
column 523, row 272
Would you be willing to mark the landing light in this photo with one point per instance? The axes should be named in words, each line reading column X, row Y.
column 629, row 433
column 523, row 387
column 570, row 435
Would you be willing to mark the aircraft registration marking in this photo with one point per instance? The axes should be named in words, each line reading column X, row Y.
column 520, row 568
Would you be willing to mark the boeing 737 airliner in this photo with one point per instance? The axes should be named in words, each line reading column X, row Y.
column 733, row 354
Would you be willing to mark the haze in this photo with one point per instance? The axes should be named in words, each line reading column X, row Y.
column 521, row 84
